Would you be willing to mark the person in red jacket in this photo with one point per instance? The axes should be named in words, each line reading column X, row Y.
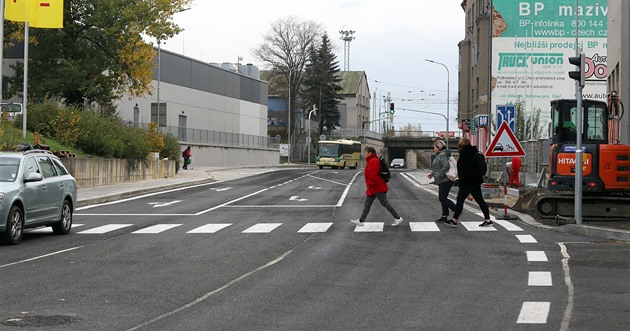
column 514, row 172
column 376, row 188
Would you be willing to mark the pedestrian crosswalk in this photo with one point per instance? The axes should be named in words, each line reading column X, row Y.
column 313, row 227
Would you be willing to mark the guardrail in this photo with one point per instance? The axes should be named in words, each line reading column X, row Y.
column 190, row 135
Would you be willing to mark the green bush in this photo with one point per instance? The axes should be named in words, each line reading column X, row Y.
column 94, row 133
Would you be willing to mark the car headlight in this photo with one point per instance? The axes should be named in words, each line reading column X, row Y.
column 1, row 197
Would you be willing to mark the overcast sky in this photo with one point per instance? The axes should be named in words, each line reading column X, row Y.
column 393, row 39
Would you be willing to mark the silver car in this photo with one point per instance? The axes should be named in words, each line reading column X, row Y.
column 36, row 189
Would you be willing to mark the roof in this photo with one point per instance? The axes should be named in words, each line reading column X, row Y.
column 350, row 81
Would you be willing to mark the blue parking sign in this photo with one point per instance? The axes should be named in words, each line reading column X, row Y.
column 506, row 113
column 482, row 121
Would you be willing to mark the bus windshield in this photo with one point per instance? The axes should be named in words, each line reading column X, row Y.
column 328, row 150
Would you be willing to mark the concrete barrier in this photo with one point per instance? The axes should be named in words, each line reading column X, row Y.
column 98, row 172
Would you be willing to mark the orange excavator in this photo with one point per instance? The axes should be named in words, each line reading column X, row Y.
column 605, row 162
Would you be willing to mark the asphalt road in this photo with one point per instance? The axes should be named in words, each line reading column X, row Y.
column 276, row 251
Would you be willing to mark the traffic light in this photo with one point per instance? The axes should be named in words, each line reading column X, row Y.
column 391, row 108
column 578, row 75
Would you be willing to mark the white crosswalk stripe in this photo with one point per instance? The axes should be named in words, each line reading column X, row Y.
column 157, row 228
column 539, row 278
column 370, row 227
column 423, row 227
column 474, row 226
column 315, row 227
column 209, row 228
column 262, row 228
column 105, row 229
column 536, row 256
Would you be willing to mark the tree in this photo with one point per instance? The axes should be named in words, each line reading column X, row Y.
column 285, row 49
column 410, row 130
column 527, row 125
column 321, row 84
column 98, row 54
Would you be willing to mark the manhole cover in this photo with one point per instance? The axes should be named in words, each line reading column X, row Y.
column 39, row 321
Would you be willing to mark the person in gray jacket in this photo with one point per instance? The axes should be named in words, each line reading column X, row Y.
column 439, row 167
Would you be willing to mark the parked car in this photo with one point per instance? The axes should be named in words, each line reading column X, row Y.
column 397, row 163
column 36, row 189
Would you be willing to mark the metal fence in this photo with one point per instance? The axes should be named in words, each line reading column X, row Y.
column 190, row 135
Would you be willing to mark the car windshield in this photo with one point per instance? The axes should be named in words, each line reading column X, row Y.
column 8, row 168
column 398, row 161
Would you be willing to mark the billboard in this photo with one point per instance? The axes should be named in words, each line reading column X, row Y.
column 531, row 44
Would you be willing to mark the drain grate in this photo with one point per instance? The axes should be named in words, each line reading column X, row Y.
column 39, row 321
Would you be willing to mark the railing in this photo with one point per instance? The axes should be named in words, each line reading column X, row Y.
column 213, row 137
column 355, row 133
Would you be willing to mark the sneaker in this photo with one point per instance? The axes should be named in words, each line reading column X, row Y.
column 397, row 221
column 357, row 222
column 442, row 219
column 450, row 223
column 486, row 223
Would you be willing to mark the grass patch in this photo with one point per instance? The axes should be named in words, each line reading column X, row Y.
column 11, row 136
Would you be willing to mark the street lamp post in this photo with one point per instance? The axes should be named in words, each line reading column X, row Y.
column 308, row 138
column 448, row 75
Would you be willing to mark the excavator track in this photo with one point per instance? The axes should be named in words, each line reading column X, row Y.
column 593, row 208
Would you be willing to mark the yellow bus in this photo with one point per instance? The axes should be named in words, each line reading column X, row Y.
column 338, row 154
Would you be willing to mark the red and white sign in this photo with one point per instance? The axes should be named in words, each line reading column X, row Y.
column 505, row 143
column 442, row 134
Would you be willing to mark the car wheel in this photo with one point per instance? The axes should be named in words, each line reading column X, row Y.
column 15, row 227
column 65, row 223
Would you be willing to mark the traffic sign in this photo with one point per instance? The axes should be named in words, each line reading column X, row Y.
column 482, row 121
column 505, row 144
column 506, row 113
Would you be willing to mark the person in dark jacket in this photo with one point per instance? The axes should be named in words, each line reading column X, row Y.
column 376, row 187
column 470, row 179
column 186, row 154
column 439, row 167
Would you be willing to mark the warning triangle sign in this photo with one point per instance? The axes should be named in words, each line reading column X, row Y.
column 505, row 143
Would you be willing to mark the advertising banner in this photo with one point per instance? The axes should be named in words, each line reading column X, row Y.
column 531, row 44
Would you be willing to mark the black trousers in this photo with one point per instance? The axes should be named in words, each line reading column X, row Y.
column 475, row 191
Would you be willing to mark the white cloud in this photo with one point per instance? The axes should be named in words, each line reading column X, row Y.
column 393, row 37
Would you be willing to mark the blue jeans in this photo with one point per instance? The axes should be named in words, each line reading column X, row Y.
column 382, row 197
column 443, row 189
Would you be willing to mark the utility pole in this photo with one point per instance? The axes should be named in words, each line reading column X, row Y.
column 346, row 36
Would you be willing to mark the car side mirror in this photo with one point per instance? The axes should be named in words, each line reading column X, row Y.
column 33, row 177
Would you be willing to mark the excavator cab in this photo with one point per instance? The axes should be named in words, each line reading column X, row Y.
column 605, row 165
column 564, row 115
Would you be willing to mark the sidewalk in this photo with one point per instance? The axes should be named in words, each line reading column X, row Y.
column 601, row 230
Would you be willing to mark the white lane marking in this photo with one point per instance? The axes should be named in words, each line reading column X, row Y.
column 345, row 192
column 315, row 227
column 534, row 312
column 133, row 214
column 324, row 179
column 105, row 229
column 163, row 204
column 539, row 278
column 423, row 227
column 150, row 195
column 40, row 257
column 262, row 228
column 211, row 293
column 219, row 189
column 568, row 311
column 474, row 226
column 297, row 198
column 412, row 181
column 526, row 239
column 280, row 206
column 315, row 187
column 536, row 256
column 157, row 228
column 210, row 228
column 370, row 227
column 47, row 229
column 507, row 225
column 230, row 202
